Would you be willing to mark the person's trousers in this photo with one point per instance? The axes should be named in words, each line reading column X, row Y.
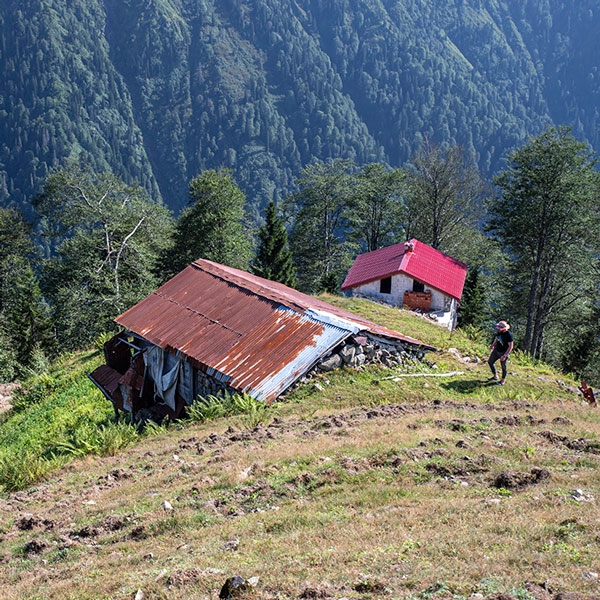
column 495, row 356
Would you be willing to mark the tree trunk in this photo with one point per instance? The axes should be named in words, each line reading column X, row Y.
column 528, row 342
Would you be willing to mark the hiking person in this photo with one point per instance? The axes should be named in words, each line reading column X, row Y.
column 500, row 350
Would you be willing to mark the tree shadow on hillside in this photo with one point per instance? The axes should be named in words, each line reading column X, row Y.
column 466, row 386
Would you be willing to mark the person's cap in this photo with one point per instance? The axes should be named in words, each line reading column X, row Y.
column 502, row 325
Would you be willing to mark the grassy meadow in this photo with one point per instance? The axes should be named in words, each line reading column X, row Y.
column 370, row 483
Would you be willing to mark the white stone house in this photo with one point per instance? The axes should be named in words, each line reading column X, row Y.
column 412, row 275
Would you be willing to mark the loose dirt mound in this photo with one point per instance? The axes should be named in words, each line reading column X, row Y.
column 513, row 480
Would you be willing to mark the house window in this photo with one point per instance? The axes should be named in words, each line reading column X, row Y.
column 418, row 286
column 385, row 285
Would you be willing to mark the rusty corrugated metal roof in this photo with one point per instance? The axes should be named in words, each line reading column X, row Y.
column 278, row 351
column 257, row 335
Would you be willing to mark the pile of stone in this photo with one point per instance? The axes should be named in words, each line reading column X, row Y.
column 361, row 350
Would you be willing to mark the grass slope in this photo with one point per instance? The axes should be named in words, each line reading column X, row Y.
column 361, row 484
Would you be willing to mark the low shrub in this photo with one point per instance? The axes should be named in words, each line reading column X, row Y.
column 213, row 407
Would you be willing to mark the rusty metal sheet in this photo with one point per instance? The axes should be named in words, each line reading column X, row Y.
column 106, row 378
column 268, row 376
column 281, row 349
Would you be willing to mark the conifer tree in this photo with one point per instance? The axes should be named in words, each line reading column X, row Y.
column 28, row 317
column 273, row 257
column 25, row 327
column 472, row 307
column 15, row 246
column 319, row 238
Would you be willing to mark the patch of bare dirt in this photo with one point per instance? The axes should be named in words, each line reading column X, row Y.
column 514, row 480
column 519, row 421
column 578, row 444
column 576, row 596
column 28, row 522
column 467, row 467
column 186, row 577
column 316, row 593
column 539, row 591
column 36, row 546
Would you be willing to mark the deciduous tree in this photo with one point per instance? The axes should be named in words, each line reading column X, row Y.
column 378, row 209
column 445, row 196
column 104, row 239
column 212, row 226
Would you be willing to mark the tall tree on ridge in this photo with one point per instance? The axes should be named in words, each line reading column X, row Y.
column 25, row 327
column 15, row 242
column 378, row 210
column 319, row 235
column 547, row 220
column 445, row 195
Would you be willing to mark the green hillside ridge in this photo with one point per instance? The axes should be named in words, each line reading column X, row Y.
column 159, row 91
column 358, row 484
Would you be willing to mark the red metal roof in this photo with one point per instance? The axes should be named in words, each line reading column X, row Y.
column 248, row 329
column 422, row 262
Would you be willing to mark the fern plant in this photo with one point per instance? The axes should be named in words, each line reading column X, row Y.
column 226, row 405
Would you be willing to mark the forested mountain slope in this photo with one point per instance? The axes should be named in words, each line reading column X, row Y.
column 158, row 90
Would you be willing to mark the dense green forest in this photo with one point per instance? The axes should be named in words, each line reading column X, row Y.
column 100, row 245
column 158, row 91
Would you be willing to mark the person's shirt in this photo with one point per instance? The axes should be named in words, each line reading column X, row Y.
column 503, row 339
